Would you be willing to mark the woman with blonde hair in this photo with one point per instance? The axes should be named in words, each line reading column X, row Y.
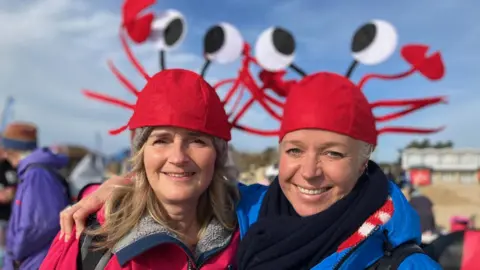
column 178, row 210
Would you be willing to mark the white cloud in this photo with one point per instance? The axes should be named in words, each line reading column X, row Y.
column 38, row 22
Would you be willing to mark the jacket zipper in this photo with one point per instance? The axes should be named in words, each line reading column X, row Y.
column 195, row 265
column 353, row 249
column 213, row 253
column 188, row 253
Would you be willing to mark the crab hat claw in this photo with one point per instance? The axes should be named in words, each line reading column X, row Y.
column 275, row 82
column 137, row 26
column 431, row 66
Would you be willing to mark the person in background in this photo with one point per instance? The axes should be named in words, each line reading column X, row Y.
column 391, row 177
column 41, row 194
column 8, row 184
column 90, row 170
column 270, row 174
column 424, row 208
column 231, row 166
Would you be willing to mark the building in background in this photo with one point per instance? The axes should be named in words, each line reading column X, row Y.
column 445, row 165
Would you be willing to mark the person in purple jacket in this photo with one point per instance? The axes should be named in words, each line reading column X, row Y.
column 41, row 194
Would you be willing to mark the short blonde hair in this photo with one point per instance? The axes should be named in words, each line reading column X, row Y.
column 128, row 204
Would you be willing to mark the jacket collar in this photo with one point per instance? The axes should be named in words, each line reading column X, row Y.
column 148, row 234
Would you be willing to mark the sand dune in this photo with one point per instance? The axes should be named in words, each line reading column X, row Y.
column 454, row 199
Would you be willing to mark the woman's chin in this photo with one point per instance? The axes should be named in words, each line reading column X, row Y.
column 174, row 194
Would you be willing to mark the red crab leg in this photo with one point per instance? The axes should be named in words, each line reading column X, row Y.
column 395, row 115
column 132, row 58
column 274, row 101
column 237, row 101
column 242, row 111
column 231, row 91
column 414, row 106
column 118, row 130
column 259, row 96
column 385, row 77
column 108, row 99
column 409, row 130
column 406, row 102
column 122, row 78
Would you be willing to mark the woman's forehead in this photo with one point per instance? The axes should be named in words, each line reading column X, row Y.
column 317, row 137
column 166, row 130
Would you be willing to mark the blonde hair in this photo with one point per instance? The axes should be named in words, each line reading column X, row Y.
column 128, row 204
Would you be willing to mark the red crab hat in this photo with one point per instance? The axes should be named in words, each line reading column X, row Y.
column 172, row 97
column 292, row 102
column 180, row 98
column 331, row 102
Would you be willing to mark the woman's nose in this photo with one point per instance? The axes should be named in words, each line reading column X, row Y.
column 178, row 155
column 311, row 167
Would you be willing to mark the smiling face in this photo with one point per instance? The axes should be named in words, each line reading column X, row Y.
column 318, row 168
column 179, row 164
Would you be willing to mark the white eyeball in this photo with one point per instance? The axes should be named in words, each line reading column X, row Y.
column 374, row 42
column 275, row 49
column 168, row 30
column 223, row 43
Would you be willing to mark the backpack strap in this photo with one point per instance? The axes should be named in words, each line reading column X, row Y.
column 57, row 175
column 394, row 257
column 89, row 259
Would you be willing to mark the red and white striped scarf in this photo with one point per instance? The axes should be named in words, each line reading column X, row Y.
column 380, row 217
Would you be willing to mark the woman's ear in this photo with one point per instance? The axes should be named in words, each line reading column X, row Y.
column 364, row 167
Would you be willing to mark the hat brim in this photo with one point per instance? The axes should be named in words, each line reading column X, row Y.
column 11, row 144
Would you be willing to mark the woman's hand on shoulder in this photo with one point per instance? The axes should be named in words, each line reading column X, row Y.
column 78, row 213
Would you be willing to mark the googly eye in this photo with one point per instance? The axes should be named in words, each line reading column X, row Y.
column 374, row 42
column 223, row 43
column 168, row 30
column 275, row 49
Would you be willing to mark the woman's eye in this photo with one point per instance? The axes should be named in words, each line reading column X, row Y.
column 198, row 141
column 294, row 151
column 159, row 141
column 334, row 154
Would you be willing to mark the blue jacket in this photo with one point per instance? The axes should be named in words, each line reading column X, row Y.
column 402, row 227
column 35, row 214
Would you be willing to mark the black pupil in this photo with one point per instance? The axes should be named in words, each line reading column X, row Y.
column 283, row 41
column 173, row 32
column 213, row 40
column 364, row 37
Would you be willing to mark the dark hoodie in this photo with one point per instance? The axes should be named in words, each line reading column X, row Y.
column 8, row 178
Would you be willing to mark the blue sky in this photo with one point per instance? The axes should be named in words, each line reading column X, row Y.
column 51, row 49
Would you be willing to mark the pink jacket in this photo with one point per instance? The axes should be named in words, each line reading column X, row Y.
column 150, row 246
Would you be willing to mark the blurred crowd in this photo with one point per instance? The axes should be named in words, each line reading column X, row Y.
column 33, row 190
